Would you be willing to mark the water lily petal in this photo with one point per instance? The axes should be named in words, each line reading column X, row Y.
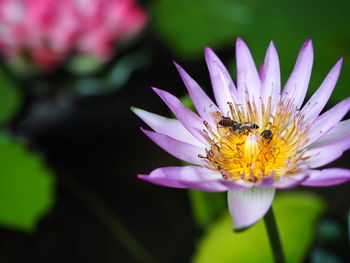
column 327, row 177
column 203, row 104
column 328, row 119
column 249, row 206
column 167, row 126
column 194, row 177
column 271, row 77
column 191, row 121
column 291, row 181
column 324, row 155
column 340, row 131
column 319, row 99
column 266, row 182
column 181, row 150
column 297, row 84
column 248, row 81
column 223, row 87
column 330, row 146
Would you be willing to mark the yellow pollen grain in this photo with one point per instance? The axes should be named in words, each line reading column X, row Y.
column 249, row 156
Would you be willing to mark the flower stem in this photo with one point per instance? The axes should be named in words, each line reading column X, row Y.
column 272, row 232
column 108, row 219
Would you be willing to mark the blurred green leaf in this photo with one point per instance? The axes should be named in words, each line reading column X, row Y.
column 323, row 256
column 188, row 26
column 84, row 64
column 125, row 66
column 10, row 98
column 296, row 214
column 329, row 231
column 114, row 79
column 26, row 186
column 187, row 102
column 206, row 207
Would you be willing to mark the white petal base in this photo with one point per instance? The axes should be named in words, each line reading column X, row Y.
column 249, row 206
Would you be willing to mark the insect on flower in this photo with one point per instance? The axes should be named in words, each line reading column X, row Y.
column 245, row 126
column 267, row 134
column 227, row 122
column 283, row 144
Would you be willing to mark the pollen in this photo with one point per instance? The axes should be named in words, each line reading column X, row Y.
column 266, row 143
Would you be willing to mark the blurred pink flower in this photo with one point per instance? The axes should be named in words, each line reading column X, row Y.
column 256, row 137
column 47, row 31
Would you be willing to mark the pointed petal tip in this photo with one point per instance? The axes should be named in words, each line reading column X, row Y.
column 271, row 51
column 179, row 68
column 240, row 42
column 176, row 64
column 307, row 47
column 158, row 91
column 209, row 54
column 271, row 44
column 181, row 71
column 308, row 43
column 340, row 62
column 141, row 176
column 338, row 65
column 207, row 49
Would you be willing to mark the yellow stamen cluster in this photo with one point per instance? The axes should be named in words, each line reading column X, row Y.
column 248, row 155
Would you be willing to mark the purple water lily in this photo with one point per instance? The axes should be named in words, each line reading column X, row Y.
column 255, row 138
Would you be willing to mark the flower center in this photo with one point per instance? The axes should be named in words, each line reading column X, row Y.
column 250, row 146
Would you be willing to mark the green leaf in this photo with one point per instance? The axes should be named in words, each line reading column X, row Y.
column 10, row 98
column 114, row 79
column 206, row 207
column 84, row 64
column 323, row 256
column 296, row 214
column 187, row 102
column 188, row 26
column 26, row 186
column 125, row 66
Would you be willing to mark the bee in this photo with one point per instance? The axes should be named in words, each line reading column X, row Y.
column 227, row 122
column 267, row 134
column 245, row 126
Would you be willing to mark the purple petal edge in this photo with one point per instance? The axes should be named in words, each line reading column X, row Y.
column 193, row 177
column 181, row 150
column 298, row 82
column 327, row 177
